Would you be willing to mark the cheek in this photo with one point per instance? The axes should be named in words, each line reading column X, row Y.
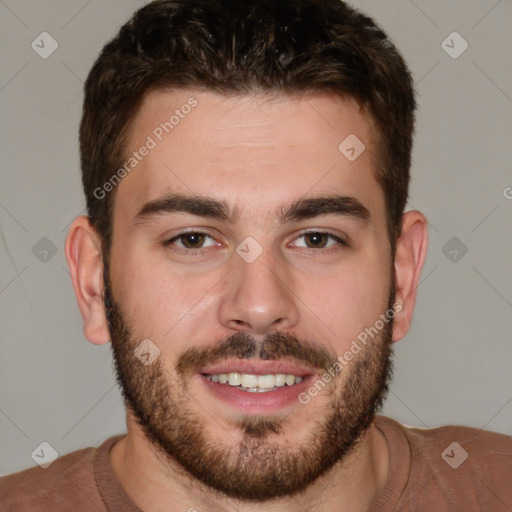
column 159, row 298
column 351, row 298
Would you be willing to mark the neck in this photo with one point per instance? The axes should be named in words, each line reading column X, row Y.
column 155, row 485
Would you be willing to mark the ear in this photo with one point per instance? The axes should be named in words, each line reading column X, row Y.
column 410, row 256
column 83, row 254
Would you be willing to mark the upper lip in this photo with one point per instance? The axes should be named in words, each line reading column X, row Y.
column 260, row 367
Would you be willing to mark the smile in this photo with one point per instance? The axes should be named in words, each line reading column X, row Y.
column 255, row 383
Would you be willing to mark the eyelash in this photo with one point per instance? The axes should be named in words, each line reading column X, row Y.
column 192, row 252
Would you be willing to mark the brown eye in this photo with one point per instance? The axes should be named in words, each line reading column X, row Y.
column 316, row 240
column 192, row 240
column 319, row 240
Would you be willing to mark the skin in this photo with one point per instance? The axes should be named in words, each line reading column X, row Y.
column 260, row 155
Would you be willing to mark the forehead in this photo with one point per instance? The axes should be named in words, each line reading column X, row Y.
column 252, row 151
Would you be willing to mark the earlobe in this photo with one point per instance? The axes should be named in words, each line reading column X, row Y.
column 83, row 254
column 410, row 257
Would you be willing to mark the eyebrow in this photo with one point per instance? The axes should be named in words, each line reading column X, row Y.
column 300, row 209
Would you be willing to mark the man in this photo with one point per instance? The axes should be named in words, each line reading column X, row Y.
column 246, row 252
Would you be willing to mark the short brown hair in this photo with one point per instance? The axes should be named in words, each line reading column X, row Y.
column 242, row 47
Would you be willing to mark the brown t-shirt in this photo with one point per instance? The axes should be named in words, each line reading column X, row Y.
column 450, row 469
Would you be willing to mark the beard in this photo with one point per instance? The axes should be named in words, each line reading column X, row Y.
column 257, row 468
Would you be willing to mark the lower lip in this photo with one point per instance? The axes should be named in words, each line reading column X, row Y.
column 258, row 402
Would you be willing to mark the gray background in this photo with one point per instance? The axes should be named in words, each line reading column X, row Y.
column 452, row 368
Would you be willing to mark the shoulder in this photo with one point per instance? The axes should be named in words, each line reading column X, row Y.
column 463, row 464
column 67, row 480
column 455, row 442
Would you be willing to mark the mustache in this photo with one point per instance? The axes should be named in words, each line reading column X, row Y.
column 242, row 345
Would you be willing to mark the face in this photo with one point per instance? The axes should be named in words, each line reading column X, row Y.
column 247, row 247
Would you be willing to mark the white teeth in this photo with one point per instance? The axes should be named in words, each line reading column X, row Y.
column 280, row 379
column 265, row 381
column 250, row 382
column 234, row 379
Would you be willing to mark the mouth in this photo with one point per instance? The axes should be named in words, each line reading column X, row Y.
column 258, row 388
column 255, row 383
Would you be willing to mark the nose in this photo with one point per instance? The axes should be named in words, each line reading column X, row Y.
column 259, row 297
